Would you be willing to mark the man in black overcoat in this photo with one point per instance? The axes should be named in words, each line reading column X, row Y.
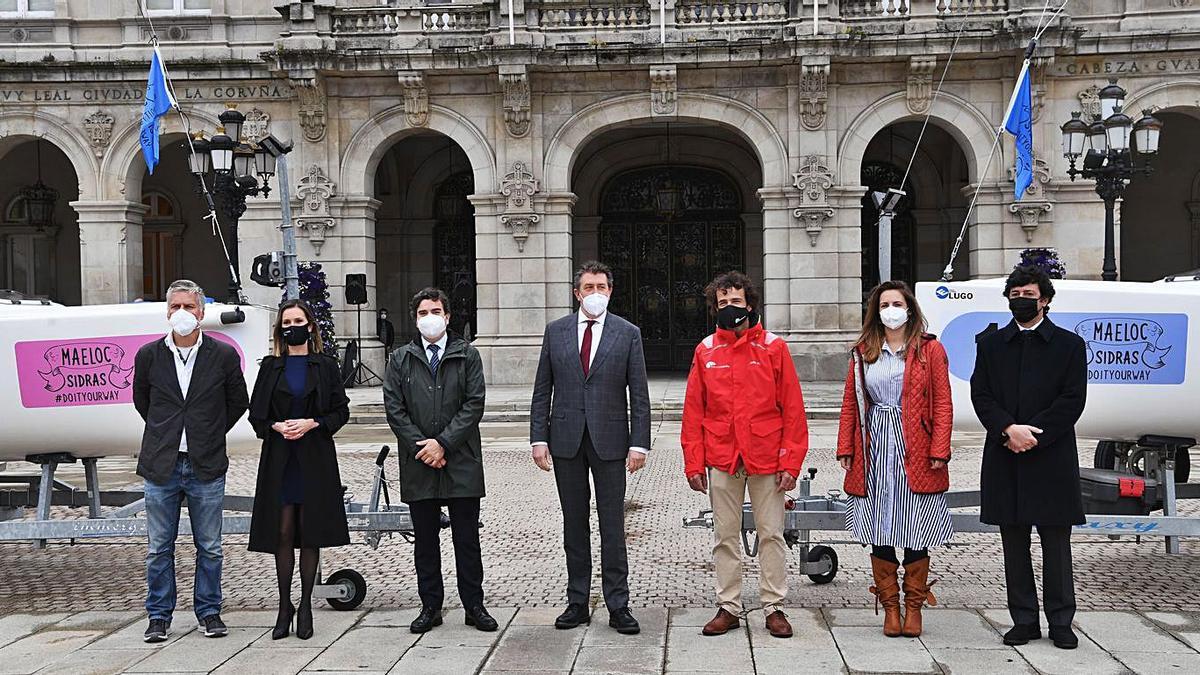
column 1028, row 389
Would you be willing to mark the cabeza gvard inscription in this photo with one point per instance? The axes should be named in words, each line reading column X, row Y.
column 135, row 94
column 1141, row 65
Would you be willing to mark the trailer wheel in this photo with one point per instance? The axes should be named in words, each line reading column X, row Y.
column 356, row 587
column 822, row 554
column 1106, row 455
column 1183, row 465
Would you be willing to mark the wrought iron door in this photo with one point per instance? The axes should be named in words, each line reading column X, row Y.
column 879, row 176
column 667, row 232
column 454, row 250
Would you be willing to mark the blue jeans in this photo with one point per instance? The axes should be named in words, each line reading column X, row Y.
column 205, row 501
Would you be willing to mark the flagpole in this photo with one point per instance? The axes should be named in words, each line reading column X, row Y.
column 815, row 3
column 1012, row 101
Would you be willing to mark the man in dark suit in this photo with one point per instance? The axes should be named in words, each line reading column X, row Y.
column 1029, row 389
column 589, row 362
column 190, row 391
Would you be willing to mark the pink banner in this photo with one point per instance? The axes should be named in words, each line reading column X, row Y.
column 86, row 371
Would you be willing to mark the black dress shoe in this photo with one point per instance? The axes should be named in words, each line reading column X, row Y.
column 304, row 621
column 1063, row 637
column 283, row 622
column 1022, row 633
column 478, row 616
column 575, row 615
column 622, row 619
column 426, row 620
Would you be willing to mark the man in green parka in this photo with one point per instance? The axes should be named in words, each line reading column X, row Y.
column 434, row 393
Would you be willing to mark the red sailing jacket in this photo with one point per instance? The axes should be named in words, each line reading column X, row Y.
column 927, row 418
column 744, row 404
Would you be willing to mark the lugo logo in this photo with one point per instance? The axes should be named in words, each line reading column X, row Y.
column 946, row 293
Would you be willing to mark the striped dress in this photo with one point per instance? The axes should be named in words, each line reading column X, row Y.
column 891, row 514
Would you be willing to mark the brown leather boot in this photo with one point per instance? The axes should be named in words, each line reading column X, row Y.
column 721, row 624
column 887, row 593
column 778, row 625
column 916, row 594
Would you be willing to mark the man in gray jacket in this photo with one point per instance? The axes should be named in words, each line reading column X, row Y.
column 589, row 362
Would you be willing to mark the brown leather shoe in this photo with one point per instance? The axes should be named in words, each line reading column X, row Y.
column 778, row 624
column 721, row 624
column 887, row 593
column 916, row 595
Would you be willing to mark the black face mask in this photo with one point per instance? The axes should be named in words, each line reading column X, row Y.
column 732, row 317
column 1023, row 310
column 295, row 335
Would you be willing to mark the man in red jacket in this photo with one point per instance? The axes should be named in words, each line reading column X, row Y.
column 744, row 428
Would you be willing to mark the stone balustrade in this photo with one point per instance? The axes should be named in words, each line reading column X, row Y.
column 595, row 16
column 730, row 13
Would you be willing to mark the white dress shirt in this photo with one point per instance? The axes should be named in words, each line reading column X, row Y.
column 185, row 363
column 1034, row 326
column 597, row 332
column 441, row 346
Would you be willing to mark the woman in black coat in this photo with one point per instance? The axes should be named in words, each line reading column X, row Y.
column 298, row 501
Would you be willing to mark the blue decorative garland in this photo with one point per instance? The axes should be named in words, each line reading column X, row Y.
column 1046, row 259
column 314, row 289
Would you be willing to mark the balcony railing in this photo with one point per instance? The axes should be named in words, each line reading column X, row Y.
column 730, row 13
column 387, row 21
column 899, row 9
column 595, row 16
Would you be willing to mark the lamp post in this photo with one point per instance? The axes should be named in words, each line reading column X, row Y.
column 233, row 164
column 1104, row 144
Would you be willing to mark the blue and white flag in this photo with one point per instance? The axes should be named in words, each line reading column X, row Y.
column 159, row 101
column 1019, row 122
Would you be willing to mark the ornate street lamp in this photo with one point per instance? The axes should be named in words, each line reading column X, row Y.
column 39, row 198
column 233, row 164
column 1108, row 157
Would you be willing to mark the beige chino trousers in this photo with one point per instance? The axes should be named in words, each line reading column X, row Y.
column 728, row 493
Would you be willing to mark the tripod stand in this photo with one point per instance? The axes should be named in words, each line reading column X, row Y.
column 361, row 373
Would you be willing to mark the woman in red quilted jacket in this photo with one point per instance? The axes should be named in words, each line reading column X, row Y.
column 894, row 443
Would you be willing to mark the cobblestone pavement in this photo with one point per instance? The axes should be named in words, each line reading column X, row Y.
column 670, row 565
column 378, row 641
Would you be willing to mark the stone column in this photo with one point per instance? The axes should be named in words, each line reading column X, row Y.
column 110, row 250
column 523, row 268
column 350, row 249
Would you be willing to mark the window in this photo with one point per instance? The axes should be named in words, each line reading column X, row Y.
column 26, row 7
column 177, row 6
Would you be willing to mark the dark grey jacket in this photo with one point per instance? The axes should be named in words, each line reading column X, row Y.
column 563, row 399
column 447, row 409
column 216, row 400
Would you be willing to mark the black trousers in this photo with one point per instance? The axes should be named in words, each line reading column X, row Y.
column 1058, row 583
column 427, row 549
column 571, row 476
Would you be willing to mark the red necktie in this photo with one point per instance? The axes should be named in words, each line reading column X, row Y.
column 585, row 352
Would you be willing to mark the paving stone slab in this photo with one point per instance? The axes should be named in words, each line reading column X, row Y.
column 45, row 648
column 616, row 660
column 328, row 626
column 1146, row 663
column 535, row 648
column 541, row 616
column 854, row 617
column 1183, row 625
column 1088, row 659
column 250, row 618
column 374, row 648
column 96, row 662
column 106, row 621
column 277, row 660
column 693, row 616
column 425, row 660
column 390, row 617
column 958, row 629
column 991, row 661
column 130, row 637
column 809, row 631
column 1127, row 632
column 796, row 659
column 198, row 653
column 688, row 650
column 16, row 626
column 653, row 622
column 868, row 650
column 454, row 632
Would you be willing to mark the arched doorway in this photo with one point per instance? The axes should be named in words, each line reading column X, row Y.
column 930, row 215
column 667, row 206
column 425, row 230
column 39, row 231
column 1160, row 214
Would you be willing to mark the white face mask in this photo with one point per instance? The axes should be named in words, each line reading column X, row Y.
column 893, row 317
column 431, row 326
column 183, row 322
column 595, row 304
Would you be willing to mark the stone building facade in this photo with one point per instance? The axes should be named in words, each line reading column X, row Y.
column 490, row 152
